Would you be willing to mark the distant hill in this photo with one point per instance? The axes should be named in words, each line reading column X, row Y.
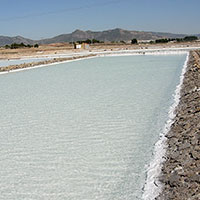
column 109, row 35
column 106, row 36
column 4, row 40
column 198, row 35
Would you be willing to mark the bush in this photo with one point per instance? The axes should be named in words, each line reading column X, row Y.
column 16, row 46
column 190, row 38
column 162, row 40
column 134, row 41
column 95, row 41
column 88, row 41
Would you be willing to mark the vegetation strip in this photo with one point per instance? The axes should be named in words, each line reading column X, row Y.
column 45, row 62
column 181, row 169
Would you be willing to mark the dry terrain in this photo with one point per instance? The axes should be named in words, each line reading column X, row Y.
column 66, row 48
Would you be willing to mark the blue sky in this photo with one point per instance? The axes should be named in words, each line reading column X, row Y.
column 39, row 19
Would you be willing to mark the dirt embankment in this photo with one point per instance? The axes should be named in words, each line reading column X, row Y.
column 45, row 62
column 181, row 170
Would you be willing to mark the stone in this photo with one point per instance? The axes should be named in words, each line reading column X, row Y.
column 181, row 170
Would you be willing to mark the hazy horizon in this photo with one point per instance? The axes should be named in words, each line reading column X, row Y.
column 49, row 18
column 96, row 31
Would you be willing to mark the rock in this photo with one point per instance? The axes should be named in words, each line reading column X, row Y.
column 181, row 169
column 173, row 179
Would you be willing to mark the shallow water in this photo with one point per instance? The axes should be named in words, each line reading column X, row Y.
column 4, row 63
column 83, row 130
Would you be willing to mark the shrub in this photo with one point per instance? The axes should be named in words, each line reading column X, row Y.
column 134, row 41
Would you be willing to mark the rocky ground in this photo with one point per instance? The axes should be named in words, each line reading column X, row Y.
column 181, row 170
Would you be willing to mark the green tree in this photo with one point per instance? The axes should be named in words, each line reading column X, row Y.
column 162, row 40
column 190, row 38
column 88, row 41
column 7, row 47
column 95, row 41
column 134, row 41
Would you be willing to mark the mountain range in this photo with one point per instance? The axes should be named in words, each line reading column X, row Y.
column 106, row 36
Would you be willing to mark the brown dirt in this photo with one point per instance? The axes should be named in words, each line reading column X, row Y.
column 65, row 48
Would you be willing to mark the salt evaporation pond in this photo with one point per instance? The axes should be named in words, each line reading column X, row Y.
column 83, row 130
column 7, row 62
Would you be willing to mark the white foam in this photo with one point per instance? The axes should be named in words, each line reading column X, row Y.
column 151, row 51
column 168, row 52
column 152, row 186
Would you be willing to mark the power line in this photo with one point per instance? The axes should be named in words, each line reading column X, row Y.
column 102, row 4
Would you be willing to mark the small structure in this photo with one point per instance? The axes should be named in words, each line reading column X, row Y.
column 77, row 46
column 81, row 46
column 85, row 46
